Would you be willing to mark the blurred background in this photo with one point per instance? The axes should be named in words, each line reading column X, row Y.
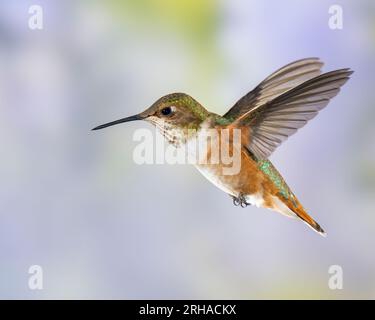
column 74, row 202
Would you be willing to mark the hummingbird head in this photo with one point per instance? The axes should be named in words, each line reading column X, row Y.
column 171, row 114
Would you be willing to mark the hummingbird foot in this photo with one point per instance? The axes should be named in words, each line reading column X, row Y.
column 236, row 201
column 240, row 201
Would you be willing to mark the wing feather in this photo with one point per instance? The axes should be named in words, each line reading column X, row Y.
column 273, row 122
column 275, row 85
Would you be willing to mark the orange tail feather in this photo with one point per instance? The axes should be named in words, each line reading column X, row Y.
column 303, row 215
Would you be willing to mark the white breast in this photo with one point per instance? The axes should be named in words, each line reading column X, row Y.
column 255, row 199
column 212, row 174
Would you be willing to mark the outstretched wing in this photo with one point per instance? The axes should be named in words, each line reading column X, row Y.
column 272, row 123
column 276, row 84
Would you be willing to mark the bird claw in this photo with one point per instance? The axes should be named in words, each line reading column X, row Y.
column 236, row 201
column 244, row 204
column 240, row 201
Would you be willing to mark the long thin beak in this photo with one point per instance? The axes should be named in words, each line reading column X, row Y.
column 132, row 118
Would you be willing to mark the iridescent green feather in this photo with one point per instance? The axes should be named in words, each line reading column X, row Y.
column 268, row 169
column 185, row 100
column 221, row 121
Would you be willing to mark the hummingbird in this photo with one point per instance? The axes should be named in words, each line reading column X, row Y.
column 266, row 116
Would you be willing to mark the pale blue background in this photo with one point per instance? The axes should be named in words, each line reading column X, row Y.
column 74, row 202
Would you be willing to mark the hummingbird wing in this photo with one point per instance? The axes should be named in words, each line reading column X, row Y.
column 272, row 123
column 276, row 84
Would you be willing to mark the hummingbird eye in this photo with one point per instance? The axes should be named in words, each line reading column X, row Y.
column 167, row 111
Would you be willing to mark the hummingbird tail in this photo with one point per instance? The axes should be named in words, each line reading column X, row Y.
column 294, row 209
column 302, row 214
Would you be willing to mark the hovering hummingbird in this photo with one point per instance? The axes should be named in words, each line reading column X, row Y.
column 280, row 105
